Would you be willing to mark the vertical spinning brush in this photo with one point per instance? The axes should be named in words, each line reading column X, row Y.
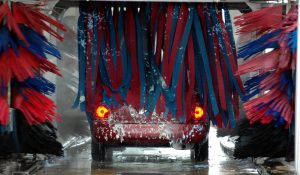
column 24, row 52
column 269, row 95
column 23, row 60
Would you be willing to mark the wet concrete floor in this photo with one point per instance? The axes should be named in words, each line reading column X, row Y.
column 149, row 161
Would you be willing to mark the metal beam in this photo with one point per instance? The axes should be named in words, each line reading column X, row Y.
column 61, row 6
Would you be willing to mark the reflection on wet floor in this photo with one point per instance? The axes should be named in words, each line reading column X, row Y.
column 149, row 161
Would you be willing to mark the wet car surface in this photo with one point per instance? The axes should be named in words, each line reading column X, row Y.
column 149, row 161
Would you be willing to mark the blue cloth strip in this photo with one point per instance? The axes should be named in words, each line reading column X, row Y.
column 225, row 53
column 259, row 45
column 38, row 43
column 229, row 29
column 39, row 83
column 179, row 59
column 113, row 45
column 140, row 60
column 174, row 23
column 201, row 45
column 80, row 99
column 126, row 62
column 126, row 65
column 6, row 41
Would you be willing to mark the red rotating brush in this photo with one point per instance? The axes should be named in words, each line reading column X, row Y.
column 23, row 51
column 270, row 95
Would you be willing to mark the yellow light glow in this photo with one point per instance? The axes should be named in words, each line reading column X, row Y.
column 199, row 112
column 102, row 111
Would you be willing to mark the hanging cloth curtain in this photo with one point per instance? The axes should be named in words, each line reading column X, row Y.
column 159, row 58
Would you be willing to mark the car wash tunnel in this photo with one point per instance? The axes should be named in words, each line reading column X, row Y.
column 149, row 87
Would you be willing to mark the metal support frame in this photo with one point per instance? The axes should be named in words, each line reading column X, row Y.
column 241, row 5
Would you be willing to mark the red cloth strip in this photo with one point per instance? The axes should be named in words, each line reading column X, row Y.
column 130, row 37
column 190, row 71
column 167, row 35
column 182, row 19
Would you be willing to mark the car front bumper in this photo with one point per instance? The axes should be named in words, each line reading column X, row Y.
column 143, row 134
